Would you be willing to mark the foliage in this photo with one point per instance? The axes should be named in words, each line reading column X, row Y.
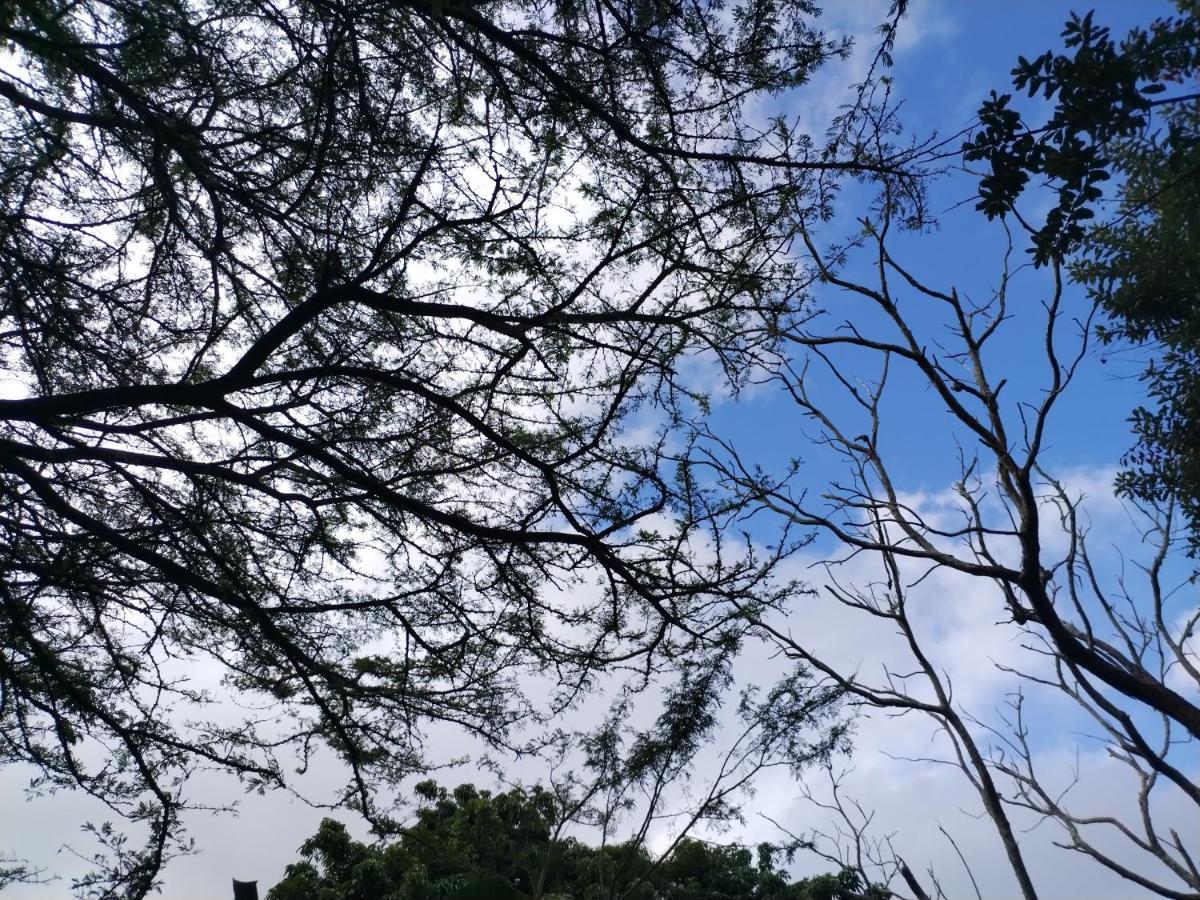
column 1104, row 92
column 17, row 871
column 1125, row 111
column 1143, row 266
column 321, row 322
column 472, row 842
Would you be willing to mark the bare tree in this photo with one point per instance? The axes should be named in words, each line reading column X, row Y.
column 850, row 842
column 1123, row 650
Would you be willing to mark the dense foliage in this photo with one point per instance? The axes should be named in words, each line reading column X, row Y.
column 1143, row 266
column 1126, row 111
column 472, row 843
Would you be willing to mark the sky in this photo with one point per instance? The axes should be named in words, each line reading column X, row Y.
column 948, row 59
column 949, row 55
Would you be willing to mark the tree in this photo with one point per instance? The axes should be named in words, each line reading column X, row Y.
column 322, row 322
column 505, row 844
column 1140, row 267
column 1120, row 648
column 1126, row 111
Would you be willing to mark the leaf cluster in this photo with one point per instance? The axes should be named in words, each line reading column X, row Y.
column 469, row 842
column 1104, row 91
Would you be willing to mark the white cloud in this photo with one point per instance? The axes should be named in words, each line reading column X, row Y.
column 963, row 627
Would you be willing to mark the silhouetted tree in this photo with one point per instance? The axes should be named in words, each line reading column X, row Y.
column 320, row 324
column 905, row 341
column 475, row 843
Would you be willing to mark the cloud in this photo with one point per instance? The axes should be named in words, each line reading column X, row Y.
column 928, row 22
column 909, row 802
column 963, row 627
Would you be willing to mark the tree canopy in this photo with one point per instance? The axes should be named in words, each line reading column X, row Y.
column 321, row 324
column 472, row 843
